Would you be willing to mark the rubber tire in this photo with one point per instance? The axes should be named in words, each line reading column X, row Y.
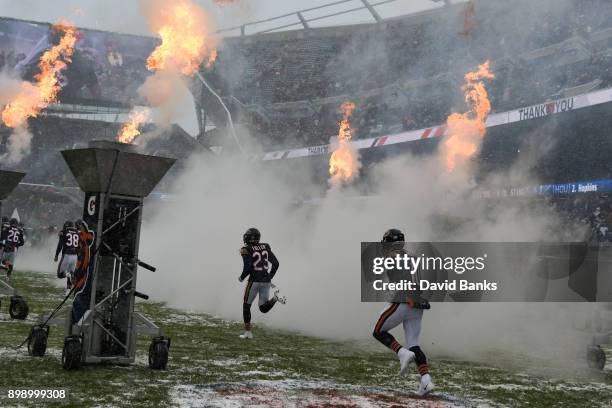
column 18, row 309
column 596, row 358
column 37, row 345
column 158, row 355
column 71, row 354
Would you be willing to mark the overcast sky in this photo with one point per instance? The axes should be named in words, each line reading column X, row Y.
column 124, row 15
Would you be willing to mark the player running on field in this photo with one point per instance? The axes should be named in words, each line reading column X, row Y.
column 12, row 240
column 4, row 226
column 68, row 246
column 406, row 309
column 260, row 265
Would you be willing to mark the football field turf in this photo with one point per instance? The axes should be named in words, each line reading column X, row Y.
column 210, row 366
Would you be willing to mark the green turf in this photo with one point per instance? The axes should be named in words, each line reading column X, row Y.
column 208, row 351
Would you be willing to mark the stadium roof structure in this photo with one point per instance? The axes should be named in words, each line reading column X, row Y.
column 339, row 13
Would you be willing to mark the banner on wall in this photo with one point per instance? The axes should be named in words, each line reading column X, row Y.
column 542, row 110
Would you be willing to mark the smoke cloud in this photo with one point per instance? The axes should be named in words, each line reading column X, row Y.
column 195, row 240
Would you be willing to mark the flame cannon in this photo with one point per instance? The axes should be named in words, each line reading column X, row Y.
column 101, row 324
column 18, row 307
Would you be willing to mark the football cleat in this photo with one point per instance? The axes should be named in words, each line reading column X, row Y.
column 280, row 299
column 406, row 358
column 246, row 335
column 426, row 385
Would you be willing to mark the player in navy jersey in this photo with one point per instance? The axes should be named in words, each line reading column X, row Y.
column 4, row 226
column 68, row 246
column 259, row 265
column 12, row 239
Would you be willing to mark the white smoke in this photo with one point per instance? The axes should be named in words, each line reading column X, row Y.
column 19, row 146
column 194, row 241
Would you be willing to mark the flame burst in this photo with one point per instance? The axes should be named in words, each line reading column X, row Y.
column 185, row 40
column 131, row 129
column 33, row 98
column 466, row 130
column 344, row 160
column 186, row 43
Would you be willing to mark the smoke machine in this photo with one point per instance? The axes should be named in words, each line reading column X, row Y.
column 101, row 324
column 18, row 307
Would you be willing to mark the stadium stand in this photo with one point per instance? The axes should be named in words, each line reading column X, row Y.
column 287, row 87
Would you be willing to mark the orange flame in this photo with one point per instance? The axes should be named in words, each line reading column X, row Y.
column 131, row 129
column 466, row 130
column 185, row 41
column 344, row 160
column 33, row 98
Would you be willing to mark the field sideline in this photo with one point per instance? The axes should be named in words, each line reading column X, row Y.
column 210, row 366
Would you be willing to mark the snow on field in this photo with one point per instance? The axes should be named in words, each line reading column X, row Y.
column 297, row 393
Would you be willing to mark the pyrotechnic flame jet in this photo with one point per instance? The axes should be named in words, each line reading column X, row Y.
column 466, row 130
column 344, row 160
column 34, row 97
column 186, row 43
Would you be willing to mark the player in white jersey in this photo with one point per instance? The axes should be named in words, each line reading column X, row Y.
column 407, row 310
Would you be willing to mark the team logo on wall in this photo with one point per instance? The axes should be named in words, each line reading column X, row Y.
column 91, row 205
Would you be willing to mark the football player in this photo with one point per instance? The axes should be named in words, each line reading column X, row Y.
column 68, row 246
column 406, row 309
column 4, row 226
column 12, row 240
column 81, row 282
column 260, row 265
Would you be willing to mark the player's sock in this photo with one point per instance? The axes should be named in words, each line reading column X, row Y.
column 387, row 340
column 246, row 316
column 266, row 307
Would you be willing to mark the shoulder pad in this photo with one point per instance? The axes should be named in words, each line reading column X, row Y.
column 244, row 251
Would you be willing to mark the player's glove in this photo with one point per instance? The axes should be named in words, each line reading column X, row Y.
column 55, row 259
column 421, row 303
column 240, row 279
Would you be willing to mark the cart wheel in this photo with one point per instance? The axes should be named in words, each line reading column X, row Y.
column 596, row 358
column 37, row 344
column 18, row 308
column 158, row 354
column 71, row 355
